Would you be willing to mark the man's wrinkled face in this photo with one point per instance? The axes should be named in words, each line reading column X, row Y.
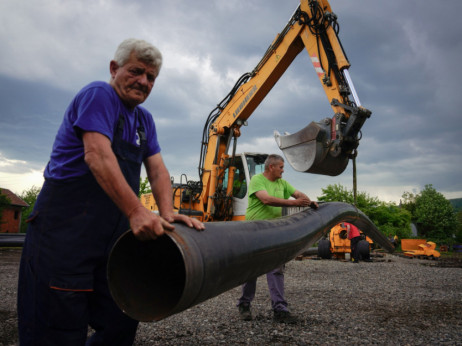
column 133, row 81
column 277, row 169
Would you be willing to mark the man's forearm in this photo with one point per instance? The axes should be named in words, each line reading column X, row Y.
column 109, row 176
column 301, row 201
column 298, row 194
column 278, row 202
column 105, row 168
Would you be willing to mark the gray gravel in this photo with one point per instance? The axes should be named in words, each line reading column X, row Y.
column 391, row 301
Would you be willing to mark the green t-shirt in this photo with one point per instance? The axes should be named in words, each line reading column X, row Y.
column 256, row 210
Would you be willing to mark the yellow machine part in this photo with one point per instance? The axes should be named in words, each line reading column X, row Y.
column 148, row 201
column 411, row 244
column 419, row 248
column 339, row 242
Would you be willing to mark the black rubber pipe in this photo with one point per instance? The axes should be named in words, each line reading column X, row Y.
column 12, row 239
column 155, row 279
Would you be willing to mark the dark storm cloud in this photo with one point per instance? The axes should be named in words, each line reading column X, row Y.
column 404, row 56
column 30, row 114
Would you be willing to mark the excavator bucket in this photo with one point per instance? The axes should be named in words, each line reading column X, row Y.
column 308, row 150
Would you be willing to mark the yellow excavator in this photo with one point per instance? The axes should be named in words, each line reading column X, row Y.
column 323, row 147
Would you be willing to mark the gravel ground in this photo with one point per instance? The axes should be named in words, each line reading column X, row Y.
column 391, row 301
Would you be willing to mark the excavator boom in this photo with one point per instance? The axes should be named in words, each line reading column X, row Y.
column 322, row 147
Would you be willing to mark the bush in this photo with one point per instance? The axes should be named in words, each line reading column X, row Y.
column 389, row 218
column 30, row 197
column 435, row 216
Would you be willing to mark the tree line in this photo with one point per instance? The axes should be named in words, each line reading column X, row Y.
column 433, row 214
column 429, row 210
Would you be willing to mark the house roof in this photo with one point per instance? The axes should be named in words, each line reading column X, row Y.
column 15, row 200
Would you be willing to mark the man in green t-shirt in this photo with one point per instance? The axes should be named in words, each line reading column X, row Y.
column 268, row 193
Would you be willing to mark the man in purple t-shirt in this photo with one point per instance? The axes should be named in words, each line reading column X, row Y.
column 88, row 200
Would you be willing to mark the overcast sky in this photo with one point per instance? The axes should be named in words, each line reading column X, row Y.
column 405, row 64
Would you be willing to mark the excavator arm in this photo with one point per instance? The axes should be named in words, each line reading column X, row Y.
column 323, row 147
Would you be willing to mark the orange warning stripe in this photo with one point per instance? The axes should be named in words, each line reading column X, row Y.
column 317, row 66
column 72, row 289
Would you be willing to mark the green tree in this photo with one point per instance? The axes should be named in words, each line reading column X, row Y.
column 389, row 218
column 408, row 202
column 30, row 197
column 4, row 202
column 338, row 193
column 145, row 187
column 435, row 215
column 458, row 232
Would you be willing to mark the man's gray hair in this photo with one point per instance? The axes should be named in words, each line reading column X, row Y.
column 144, row 51
column 272, row 159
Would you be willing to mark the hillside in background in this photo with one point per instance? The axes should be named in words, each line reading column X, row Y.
column 456, row 203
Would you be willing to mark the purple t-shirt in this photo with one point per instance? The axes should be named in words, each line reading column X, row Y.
column 95, row 108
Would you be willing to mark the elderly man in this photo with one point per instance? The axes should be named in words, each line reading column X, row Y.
column 88, row 200
column 268, row 192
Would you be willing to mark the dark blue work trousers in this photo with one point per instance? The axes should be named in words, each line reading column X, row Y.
column 355, row 249
column 62, row 281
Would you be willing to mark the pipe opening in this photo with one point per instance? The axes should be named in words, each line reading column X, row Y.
column 146, row 278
